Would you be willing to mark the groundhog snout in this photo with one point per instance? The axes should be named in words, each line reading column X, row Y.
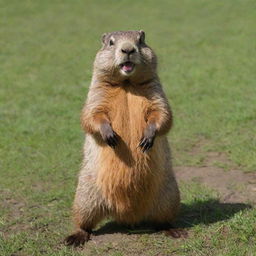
column 128, row 48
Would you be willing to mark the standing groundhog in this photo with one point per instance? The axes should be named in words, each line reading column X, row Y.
column 123, row 174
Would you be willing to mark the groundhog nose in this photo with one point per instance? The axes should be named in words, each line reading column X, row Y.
column 128, row 50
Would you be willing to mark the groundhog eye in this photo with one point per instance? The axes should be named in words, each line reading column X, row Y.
column 111, row 42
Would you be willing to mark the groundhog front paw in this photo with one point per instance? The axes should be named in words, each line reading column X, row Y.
column 108, row 135
column 77, row 239
column 147, row 140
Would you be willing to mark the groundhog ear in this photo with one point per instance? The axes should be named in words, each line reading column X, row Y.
column 142, row 36
column 103, row 38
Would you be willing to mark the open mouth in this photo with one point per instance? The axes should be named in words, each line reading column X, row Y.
column 127, row 66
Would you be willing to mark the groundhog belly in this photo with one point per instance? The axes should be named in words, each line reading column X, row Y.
column 128, row 178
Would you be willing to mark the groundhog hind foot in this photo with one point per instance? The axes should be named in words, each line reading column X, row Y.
column 77, row 239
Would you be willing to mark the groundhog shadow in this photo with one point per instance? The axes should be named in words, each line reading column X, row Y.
column 124, row 153
column 208, row 212
column 199, row 212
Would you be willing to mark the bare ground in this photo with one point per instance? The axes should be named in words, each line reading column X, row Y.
column 233, row 186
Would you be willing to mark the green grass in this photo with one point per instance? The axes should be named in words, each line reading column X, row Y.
column 207, row 64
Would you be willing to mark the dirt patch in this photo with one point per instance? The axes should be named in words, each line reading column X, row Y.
column 127, row 244
column 14, row 210
column 111, row 242
column 14, row 207
column 233, row 186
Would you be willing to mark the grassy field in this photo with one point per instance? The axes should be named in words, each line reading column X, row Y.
column 207, row 64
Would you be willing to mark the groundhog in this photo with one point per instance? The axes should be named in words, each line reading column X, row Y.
column 126, row 171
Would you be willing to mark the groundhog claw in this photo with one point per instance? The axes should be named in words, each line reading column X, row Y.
column 147, row 140
column 77, row 239
column 112, row 140
column 146, row 143
column 108, row 135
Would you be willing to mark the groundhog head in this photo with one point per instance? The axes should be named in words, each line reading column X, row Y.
column 125, row 54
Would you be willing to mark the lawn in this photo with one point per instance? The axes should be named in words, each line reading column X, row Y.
column 207, row 63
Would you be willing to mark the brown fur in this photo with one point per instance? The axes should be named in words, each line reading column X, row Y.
column 124, row 182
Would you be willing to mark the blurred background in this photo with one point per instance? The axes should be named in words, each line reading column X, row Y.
column 206, row 52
